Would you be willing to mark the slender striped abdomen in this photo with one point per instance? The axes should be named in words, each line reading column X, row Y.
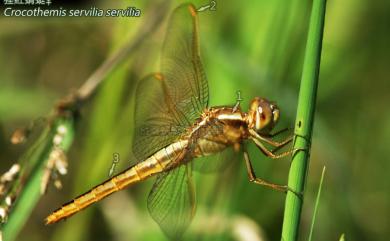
column 153, row 165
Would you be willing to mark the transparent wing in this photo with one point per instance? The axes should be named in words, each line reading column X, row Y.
column 168, row 103
column 171, row 202
column 155, row 125
column 217, row 162
column 181, row 64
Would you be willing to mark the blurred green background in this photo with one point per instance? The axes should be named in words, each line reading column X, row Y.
column 256, row 47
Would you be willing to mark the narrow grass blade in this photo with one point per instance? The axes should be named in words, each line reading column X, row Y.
column 316, row 205
column 342, row 237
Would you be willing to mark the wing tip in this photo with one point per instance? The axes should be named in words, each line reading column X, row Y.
column 192, row 10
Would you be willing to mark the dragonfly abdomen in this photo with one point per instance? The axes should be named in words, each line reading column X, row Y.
column 141, row 171
column 97, row 193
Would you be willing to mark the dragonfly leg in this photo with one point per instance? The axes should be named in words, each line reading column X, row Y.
column 270, row 141
column 270, row 135
column 280, row 144
column 270, row 153
column 252, row 178
column 280, row 132
column 304, row 137
column 288, row 140
column 284, row 143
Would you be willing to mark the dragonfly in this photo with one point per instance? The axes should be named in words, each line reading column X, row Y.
column 174, row 126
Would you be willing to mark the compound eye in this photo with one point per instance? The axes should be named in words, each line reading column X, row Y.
column 262, row 114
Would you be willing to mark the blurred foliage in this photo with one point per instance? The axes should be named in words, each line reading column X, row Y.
column 256, row 47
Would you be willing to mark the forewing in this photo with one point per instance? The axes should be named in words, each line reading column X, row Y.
column 168, row 103
column 171, row 202
column 181, row 64
column 155, row 124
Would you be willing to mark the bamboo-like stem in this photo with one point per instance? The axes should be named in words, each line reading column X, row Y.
column 304, row 122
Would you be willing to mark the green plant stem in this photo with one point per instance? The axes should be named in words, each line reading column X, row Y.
column 304, row 122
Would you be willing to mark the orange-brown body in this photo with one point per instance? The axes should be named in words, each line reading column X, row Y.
column 215, row 130
column 176, row 98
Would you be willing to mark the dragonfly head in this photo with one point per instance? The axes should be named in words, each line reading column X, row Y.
column 262, row 115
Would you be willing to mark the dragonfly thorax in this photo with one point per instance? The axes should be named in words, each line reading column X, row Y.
column 262, row 115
